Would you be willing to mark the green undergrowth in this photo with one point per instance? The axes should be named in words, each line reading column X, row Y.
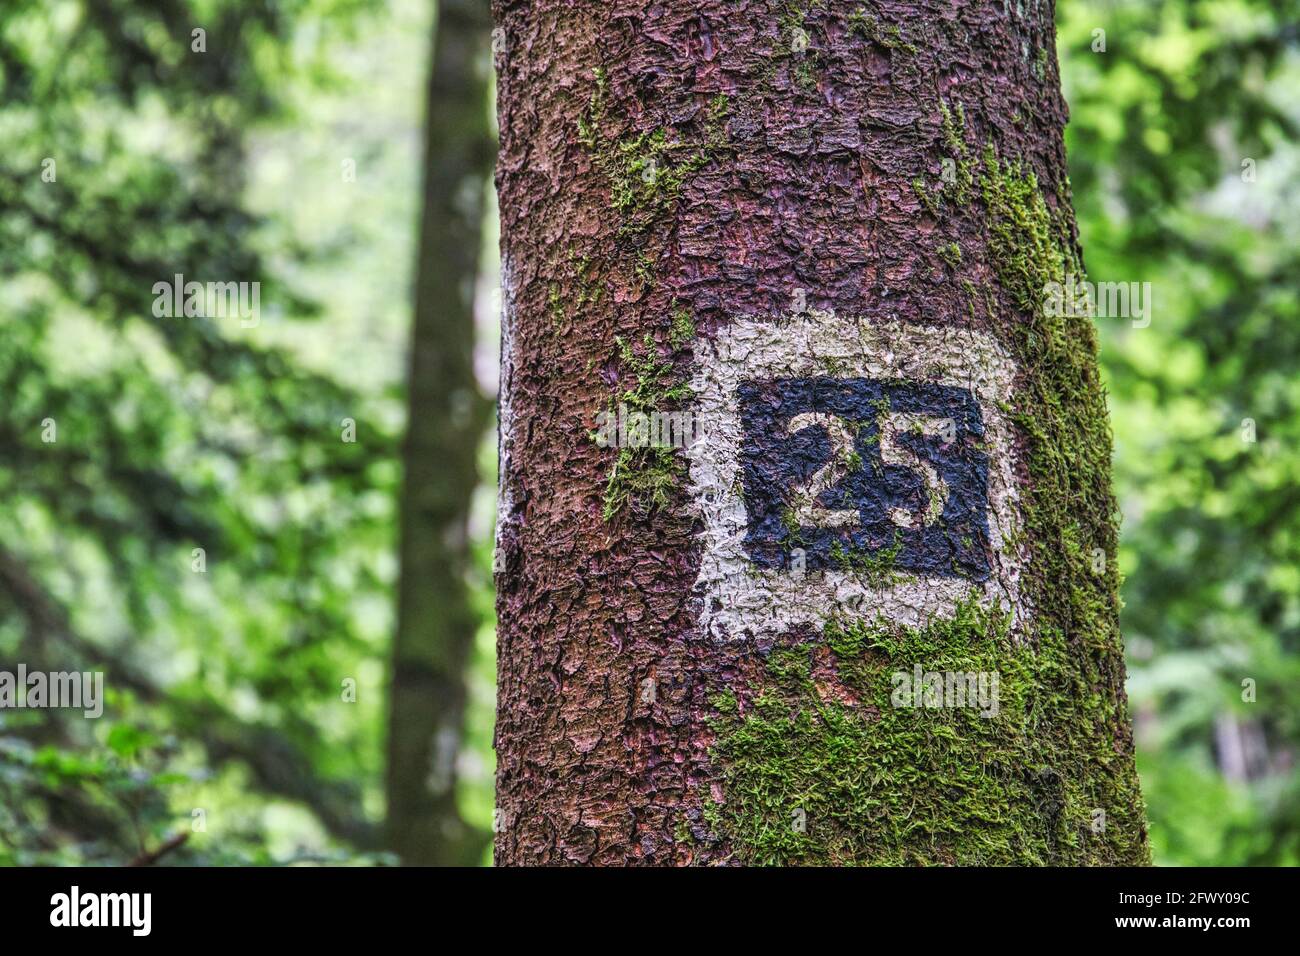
column 821, row 768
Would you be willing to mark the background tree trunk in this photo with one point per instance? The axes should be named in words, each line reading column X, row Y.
column 758, row 211
column 446, row 418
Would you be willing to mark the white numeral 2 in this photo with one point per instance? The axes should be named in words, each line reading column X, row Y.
column 807, row 512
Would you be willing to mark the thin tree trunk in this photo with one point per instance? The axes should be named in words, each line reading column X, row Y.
column 870, row 615
column 447, row 415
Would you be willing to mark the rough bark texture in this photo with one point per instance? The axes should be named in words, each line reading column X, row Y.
column 667, row 168
column 446, row 417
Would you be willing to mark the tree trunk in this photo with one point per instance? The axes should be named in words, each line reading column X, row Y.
column 869, row 615
column 446, row 418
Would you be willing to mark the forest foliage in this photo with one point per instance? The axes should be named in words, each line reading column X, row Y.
column 208, row 529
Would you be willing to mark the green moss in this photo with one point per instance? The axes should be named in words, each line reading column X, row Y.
column 1040, row 64
column 805, row 73
column 794, row 13
column 1025, row 239
column 953, row 129
column 894, row 40
column 589, row 122
column 682, row 331
column 807, row 63
column 890, row 36
column 1070, row 509
column 555, row 307
column 793, row 537
column 950, row 253
column 655, row 382
column 648, row 175
column 725, row 703
column 885, row 784
column 588, row 292
column 644, row 269
column 646, row 171
column 880, row 784
column 923, row 194
column 645, row 477
column 874, row 567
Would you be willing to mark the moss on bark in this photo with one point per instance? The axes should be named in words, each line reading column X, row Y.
column 912, row 176
column 821, row 767
column 824, row 769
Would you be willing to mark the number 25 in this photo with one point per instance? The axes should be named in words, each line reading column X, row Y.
column 808, row 512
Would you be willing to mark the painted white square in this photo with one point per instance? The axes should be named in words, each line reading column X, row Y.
column 742, row 601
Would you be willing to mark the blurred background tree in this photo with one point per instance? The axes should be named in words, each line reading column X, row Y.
column 447, row 415
column 247, row 680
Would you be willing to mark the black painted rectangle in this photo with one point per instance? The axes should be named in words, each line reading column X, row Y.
column 775, row 463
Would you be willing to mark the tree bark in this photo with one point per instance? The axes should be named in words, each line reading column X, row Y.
column 824, row 229
column 446, row 418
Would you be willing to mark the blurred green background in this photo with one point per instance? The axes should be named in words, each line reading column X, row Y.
column 248, row 701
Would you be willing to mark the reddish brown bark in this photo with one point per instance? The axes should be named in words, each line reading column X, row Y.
column 447, row 413
column 809, row 186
